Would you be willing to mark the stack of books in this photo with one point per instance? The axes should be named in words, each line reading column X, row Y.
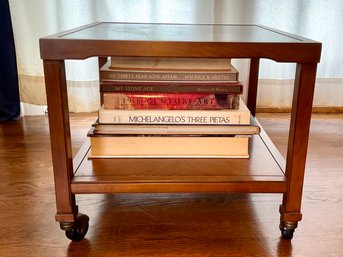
column 171, row 107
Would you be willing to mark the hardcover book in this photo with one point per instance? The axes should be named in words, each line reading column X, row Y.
column 170, row 101
column 180, row 69
column 168, row 63
column 129, row 146
column 171, row 87
column 223, row 117
column 175, row 130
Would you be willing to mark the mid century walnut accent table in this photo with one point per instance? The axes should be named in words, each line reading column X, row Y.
column 265, row 171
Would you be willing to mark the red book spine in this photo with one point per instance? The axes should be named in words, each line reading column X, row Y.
column 170, row 101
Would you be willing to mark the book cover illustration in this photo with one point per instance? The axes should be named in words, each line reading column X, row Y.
column 170, row 101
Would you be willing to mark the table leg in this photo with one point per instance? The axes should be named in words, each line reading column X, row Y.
column 253, row 83
column 56, row 91
column 101, row 62
column 290, row 209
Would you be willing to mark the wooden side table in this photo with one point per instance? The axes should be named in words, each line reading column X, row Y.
column 266, row 171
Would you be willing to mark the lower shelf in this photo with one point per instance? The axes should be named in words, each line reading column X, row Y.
column 262, row 172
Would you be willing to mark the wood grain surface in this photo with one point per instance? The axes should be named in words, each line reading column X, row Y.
column 168, row 224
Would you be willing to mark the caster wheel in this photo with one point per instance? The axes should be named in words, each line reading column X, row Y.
column 79, row 229
column 287, row 233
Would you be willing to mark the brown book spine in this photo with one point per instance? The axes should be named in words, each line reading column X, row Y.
column 171, row 87
column 170, row 101
column 168, row 76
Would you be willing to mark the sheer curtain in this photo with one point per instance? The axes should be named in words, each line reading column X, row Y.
column 317, row 19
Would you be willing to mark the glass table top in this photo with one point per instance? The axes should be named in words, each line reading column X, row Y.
column 180, row 32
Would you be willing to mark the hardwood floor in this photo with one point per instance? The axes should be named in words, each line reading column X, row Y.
column 168, row 224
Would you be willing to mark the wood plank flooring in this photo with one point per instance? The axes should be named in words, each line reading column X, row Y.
column 168, row 224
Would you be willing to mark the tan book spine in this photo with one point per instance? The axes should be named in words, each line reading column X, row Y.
column 169, row 63
column 169, row 147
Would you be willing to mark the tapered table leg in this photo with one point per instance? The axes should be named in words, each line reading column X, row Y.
column 56, row 91
column 253, row 84
column 290, row 209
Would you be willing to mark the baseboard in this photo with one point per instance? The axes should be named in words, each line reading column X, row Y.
column 32, row 109
column 315, row 109
column 272, row 110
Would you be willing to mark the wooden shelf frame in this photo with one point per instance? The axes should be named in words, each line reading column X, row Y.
column 181, row 40
column 180, row 175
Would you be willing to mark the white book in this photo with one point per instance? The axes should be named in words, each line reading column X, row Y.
column 215, row 117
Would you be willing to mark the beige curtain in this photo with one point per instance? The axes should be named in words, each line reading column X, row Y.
column 317, row 19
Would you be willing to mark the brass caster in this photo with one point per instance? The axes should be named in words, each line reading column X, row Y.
column 287, row 229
